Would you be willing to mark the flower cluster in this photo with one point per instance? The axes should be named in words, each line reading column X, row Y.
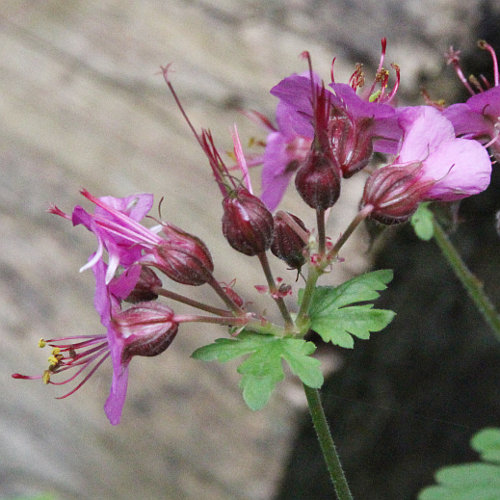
column 324, row 135
column 147, row 327
column 432, row 158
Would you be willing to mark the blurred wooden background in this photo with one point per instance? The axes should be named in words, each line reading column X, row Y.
column 82, row 105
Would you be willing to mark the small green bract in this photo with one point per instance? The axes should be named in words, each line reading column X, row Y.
column 422, row 222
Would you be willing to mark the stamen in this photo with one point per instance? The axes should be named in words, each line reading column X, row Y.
column 486, row 46
column 383, row 42
column 392, row 93
column 331, row 70
column 54, row 209
column 473, row 79
column 453, row 57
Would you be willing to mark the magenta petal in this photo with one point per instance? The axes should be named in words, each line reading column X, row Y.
column 118, row 392
column 425, row 129
column 281, row 159
column 102, row 302
column 486, row 103
column 294, row 93
column 274, row 192
column 291, row 123
column 122, row 286
column 135, row 206
column 462, row 167
column 357, row 107
column 469, row 123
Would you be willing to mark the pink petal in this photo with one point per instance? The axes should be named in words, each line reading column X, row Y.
column 425, row 128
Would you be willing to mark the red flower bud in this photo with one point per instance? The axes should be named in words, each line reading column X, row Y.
column 288, row 244
column 145, row 287
column 146, row 329
column 246, row 223
column 183, row 257
column 395, row 192
column 318, row 179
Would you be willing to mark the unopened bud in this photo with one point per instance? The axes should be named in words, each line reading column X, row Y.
column 246, row 223
column 394, row 192
column 146, row 329
column 145, row 287
column 318, row 180
column 288, row 244
column 183, row 257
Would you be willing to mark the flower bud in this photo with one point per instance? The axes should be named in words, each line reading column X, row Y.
column 394, row 192
column 246, row 223
column 318, row 180
column 145, row 287
column 145, row 329
column 183, row 257
column 288, row 244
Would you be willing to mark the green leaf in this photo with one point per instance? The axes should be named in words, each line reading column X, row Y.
column 263, row 368
column 487, row 443
column 478, row 481
column 421, row 221
column 336, row 320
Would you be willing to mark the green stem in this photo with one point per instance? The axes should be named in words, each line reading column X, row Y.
column 302, row 318
column 330, row 455
column 320, row 222
column 360, row 217
column 191, row 302
column 469, row 281
column 274, row 291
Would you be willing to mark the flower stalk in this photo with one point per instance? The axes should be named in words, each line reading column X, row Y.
column 328, row 448
column 473, row 286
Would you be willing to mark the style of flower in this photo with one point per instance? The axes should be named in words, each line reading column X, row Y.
column 145, row 329
column 432, row 164
column 479, row 117
column 357, row 126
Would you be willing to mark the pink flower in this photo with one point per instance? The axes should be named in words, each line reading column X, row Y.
column 479, row 117
column 357, row 126
column 115, row 223
column 145, row 330
column 457, row 167
column 432, row 164
column 286, row 149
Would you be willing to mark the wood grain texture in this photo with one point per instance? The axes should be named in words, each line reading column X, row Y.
column 82, row 105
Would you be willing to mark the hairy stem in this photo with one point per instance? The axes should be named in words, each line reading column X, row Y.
column 191, row 302
column 330, row 454
column 320, row 223
column 272, row 288
column 473, row 286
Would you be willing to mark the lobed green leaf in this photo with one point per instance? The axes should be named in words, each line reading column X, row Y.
column 478, row 481
column 263, row 368
column 334, row 317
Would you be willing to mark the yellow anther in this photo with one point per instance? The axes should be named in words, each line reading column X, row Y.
column 53, row 360
column 46, row 377
column 56, row 351
column 374, row 96
column 42, row 343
